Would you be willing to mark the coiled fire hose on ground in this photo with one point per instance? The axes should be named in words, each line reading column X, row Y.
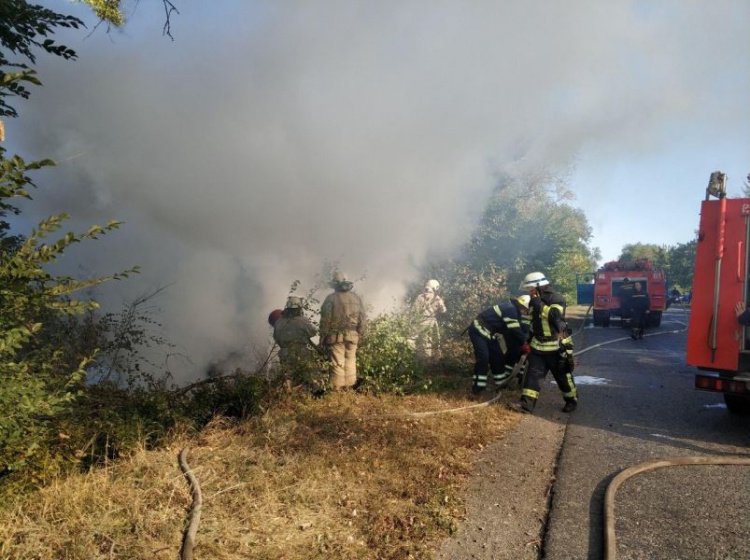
column 610, row 550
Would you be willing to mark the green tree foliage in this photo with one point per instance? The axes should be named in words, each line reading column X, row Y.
column 526, row 225
column 678, row 261
column 25, row 28
column 38, row 382
column 682, row 264
column 657, row 254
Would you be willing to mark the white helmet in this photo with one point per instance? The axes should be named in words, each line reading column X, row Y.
column 433, row 285
column 294, row 302
column 523, row 301
column 534, row 280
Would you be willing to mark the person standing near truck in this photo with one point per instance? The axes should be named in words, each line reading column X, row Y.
column 640, row 305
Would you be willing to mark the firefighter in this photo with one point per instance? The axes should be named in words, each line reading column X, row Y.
column 626, row 291
column 425, row 329
column 640, row 305
column 498, row 338
column 342, row 324
column 551, row 345
column 292, row 332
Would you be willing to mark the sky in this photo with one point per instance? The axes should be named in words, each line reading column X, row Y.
column 270, row 138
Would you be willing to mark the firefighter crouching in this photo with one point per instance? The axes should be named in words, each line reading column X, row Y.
column 551, row 345
column 292, row 332
column 498, row 338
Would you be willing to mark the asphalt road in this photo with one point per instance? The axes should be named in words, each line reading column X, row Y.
column 637, row 403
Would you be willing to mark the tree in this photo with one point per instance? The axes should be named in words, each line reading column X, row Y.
column 38, row 382
column 526, row 225
column 657, row 254
column 677, row 261
column 682, row 264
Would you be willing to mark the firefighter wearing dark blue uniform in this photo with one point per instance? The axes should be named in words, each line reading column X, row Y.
column 502, row 320
column 551, row 345
column 640, row 304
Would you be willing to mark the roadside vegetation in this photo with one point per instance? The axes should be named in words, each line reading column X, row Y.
column 92, row 424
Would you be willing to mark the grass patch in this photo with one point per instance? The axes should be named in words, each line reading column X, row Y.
column 307, row 479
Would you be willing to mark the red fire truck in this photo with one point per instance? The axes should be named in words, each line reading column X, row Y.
column 608, row 288
column 717, row 344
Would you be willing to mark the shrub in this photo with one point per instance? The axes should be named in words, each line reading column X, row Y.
column 386, row 362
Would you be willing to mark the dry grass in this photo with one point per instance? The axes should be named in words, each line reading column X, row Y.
column 309, row 479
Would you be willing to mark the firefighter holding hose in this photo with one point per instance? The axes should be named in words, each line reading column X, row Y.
column 551, row 345
column 498, row 338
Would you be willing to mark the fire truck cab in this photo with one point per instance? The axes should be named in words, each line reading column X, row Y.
column 609, row 282
column 718, row 344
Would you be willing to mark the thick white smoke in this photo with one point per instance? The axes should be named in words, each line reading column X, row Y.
column 273, row 136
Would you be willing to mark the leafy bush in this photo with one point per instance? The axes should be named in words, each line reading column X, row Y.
column 386, row 362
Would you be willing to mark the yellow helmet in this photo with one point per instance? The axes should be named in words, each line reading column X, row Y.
column 523, row 301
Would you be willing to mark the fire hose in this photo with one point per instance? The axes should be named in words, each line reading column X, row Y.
column 610, row 551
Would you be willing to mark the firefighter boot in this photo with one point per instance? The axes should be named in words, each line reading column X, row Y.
column 640, row 333
column 634, row 334
column 570, row 405
column 524, row 406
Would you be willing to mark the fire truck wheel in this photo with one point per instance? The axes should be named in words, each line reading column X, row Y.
column 737, row 405
column 654, row 319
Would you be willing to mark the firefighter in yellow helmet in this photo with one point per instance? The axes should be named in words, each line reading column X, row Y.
column 342, row 324
column 425, row 329
column 551, row 345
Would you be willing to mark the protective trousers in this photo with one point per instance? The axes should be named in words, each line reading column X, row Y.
column 343, row 364
column 639, row 322
column 539, row 364
column 487, row 356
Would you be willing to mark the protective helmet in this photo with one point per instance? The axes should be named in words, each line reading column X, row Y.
column 433, row 285
column 523, row 301
column 340, row 282
column 338, row 277
column 626, row 279
column 534, row 280
column 294, row 302
column 274, row 316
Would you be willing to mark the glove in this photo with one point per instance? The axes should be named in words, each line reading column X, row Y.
column 525, row 349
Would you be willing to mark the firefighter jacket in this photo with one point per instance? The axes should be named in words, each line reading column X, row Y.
column 290, row 331
column 503, row 319
column 342, row 318
column 548, row 323
column 293, row 335
column 426, row 306
column 639, row 302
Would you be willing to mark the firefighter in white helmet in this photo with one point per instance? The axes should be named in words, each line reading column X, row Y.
column 551, row 345
column 498, row 338
column 342, row 324
column 425, row 330
column 292, row 332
